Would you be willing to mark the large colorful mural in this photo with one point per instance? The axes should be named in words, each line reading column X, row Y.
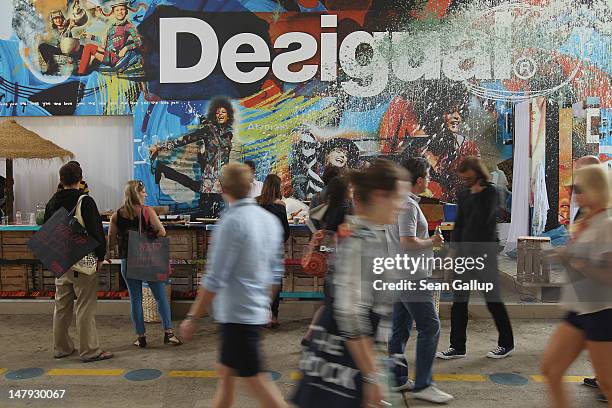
column 298, row 85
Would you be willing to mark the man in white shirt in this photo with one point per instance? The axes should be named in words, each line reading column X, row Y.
column 256, row 185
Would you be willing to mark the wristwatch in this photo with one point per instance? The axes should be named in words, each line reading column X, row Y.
column 189, row 316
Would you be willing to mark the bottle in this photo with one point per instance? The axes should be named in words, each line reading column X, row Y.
column 18, row 218
column 438, row 233
column 40, row 214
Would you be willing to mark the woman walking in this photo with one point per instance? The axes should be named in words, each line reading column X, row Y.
column 588, row 261
column 271, row 199
column 350, row 318
column 131, row 217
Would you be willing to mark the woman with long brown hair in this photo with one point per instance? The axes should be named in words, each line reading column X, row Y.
column 271, row 199
column 130, row 217
column 475, row 236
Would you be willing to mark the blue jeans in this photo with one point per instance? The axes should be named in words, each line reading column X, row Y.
column 423, row 312
column 159, row 292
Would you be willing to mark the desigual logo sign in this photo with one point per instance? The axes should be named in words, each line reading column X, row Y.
column 535, row 37
column 478, row 51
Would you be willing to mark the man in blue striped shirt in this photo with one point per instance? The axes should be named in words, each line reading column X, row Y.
column 244, row 266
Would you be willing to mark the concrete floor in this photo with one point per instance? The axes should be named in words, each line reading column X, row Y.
column 25, row 342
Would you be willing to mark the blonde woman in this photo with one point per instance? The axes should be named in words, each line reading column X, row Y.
column 128, row 218
column 588, row 298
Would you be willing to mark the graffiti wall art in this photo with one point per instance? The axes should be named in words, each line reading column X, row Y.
column 298, row 85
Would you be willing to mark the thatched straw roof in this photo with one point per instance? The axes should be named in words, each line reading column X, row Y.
column 17, row 142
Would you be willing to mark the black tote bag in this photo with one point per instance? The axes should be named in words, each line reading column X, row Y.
column 148, row 259
column 58, row 246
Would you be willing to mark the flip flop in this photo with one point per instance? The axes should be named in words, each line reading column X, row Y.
column 64, row 355
column 105, row 355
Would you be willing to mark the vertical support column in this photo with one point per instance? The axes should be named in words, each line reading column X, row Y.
column 10, row 194
column 566, row 119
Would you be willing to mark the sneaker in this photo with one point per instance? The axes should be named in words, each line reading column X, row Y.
column 500, row 352
column 450, row 354
column 407, row 386
column 432, row 394
column 602, row 398
column 591, row 382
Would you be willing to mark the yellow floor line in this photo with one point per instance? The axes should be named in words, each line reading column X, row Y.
column 567, row 378
column 459, row 377
column 193, row 374
column 2, row 371
column 85, row 372
column 295, row 376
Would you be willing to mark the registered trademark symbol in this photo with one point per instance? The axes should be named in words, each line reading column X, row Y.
column 525, row 68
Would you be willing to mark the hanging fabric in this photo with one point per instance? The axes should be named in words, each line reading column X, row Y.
column 519, row 224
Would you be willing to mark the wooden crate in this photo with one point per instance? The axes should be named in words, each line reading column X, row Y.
column 288, row 253
column 15, row 245
column 296, row 281
column 531, row 266
column 184, row 277
column 14, row 277
column 183, row 244
column 46, row 282
column 299, row 245
column 109, row 279
column 200, row 235
column 305, row 283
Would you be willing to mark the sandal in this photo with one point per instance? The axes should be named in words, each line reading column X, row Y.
column 141, row 342
column 105, row 355
column 170, row 338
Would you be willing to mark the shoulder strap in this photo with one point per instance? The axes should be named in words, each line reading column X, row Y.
column 147, row 216
column 77, row 210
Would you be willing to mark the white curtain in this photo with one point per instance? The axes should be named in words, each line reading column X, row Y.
column 519, row 225
column 102, row 145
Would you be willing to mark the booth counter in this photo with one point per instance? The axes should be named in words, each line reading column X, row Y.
column 23, row 276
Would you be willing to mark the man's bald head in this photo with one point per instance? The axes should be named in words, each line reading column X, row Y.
column 586, row 161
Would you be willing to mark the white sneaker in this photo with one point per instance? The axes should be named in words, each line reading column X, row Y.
column 432, row 394
column 407, row 386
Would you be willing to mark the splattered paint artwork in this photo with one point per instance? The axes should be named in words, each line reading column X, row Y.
column 308, row 84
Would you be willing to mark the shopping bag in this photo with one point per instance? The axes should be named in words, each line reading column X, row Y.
column 58, row 246
column 148, row 258
column 89, row 264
